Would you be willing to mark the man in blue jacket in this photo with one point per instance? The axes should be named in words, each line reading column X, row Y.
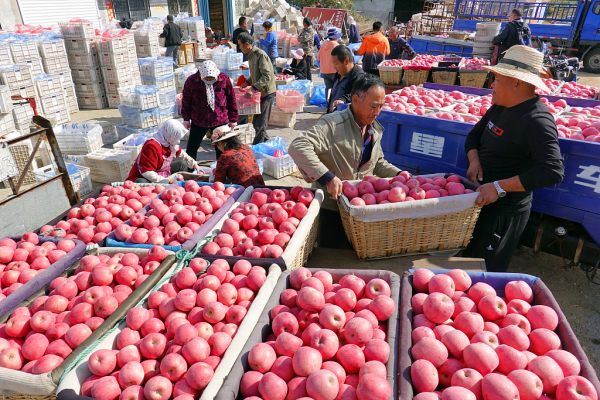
column 270, row 43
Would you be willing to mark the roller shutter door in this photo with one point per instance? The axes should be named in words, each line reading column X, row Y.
column 49, row 12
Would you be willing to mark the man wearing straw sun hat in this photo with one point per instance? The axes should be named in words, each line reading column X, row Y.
column 512, row 151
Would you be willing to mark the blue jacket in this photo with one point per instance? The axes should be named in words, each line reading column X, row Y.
column 317, row 41
column 354, row 36
column 270, row 44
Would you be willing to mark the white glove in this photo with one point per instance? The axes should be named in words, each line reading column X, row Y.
column 191, row 163
column 154, row 177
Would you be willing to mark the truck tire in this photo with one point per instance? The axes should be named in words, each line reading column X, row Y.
column 591, row 61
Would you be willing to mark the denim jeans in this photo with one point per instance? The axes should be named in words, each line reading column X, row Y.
column 175, row 51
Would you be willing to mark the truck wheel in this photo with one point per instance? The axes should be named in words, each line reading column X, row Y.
column 591, row 61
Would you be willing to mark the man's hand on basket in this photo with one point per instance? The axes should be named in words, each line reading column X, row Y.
column 334, row 187
column 249, row 92
column 487, row 194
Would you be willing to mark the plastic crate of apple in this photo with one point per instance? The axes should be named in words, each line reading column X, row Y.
column 175, row 215
column 581, row 126
column 473, row 64
column 37, row 339
column 413, row 100
column 328, row 341
column 570, row 89
column 172, row 348
column 478, row 345
column 21, row 261
column 97, row 217
column 262, row 227
column 403, row 187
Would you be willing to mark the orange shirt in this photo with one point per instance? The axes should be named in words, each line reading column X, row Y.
column 325, row 56
column 374, row 47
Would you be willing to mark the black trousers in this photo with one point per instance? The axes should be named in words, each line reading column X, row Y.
column 197, row 134
column 309, row 63
column 496, row 236
column 372, row 71
column 261, row 121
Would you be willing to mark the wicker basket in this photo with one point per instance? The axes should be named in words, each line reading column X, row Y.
column 29, row 397
column 413, row 77
column 391, row 77
column 458, row 35
column 475, row 79
column 444, row 77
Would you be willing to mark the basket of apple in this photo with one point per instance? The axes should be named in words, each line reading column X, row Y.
column 494, row 336
column 571, row 89
column 390, row 71
column 277, row 224
column 92, row 219
column 408, row 214
column 30, row 262
column 45, row 333
column 325, row 334
column 183, row 340
column 184, row 213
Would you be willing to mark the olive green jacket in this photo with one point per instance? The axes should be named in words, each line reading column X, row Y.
column 261, row 72
column 335, row 144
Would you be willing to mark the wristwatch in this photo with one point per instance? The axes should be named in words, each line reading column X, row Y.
column 501, row 192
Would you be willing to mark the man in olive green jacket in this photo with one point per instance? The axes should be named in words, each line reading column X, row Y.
column 343, row 145
column 262, row 78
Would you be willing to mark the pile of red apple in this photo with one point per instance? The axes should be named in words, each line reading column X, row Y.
column 21, row 261
column 413, row 100
column 97, row 217
column 37, row 339
column 455, row 117
column 580, row 127
column 474, row 64
column 393, row 63
column 328, row 341
column 422, row 61
column 283, row 77
column 570, row 89
column 172, row 348
column 263, row 227
column 472, row 344
column 403, row 187
column 176, row 215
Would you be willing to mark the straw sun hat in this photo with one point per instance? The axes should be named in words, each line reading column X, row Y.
column 523, row 63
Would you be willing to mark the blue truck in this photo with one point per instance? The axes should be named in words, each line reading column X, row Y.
column 570, row 27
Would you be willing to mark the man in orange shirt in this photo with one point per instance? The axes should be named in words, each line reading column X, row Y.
column 374, row 48
column 327, row 68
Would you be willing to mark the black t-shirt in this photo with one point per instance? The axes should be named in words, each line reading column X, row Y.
column 235, row 35
column 520, row 140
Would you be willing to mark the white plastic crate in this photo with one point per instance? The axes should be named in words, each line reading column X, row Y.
column 113, row 60
column 35, row 64
column 132, row 143
column 45, row 84
column 5, row 101
column 24, row 50
column 23, row 91
column 156, row 67
column 89, row 89
column 58, row 117
column 112, row 88
column 290, row 101
column 52, row 48
column 69, row 90
column 72, row 104
column 141, row 97
column 245, row 105
column 167, row 96
column 145, row 37
column 109, row 165
column 97, row 102
column 85, row 75
column 282, row 119
column 246, row 133
column 84, row 60
column 77, row 29
column 220, row 59
column 7, row 124
column 147, row 50
column 79, row 138
column 234, row 60
column 81, row 45
column 113, row 45
column 119, row 74
column 277, row 167
column 21, row 153
column 109, row 133
column 77, row 159
column 113, row 100
column 80, row 179
column 65, row 77
column 55, row 65
column 22, row 115
column 124, row 131
column 164, row 83
column 15, row 76
column 140, row 119
column 52, row 102
column 5, row 55
column 169, row 111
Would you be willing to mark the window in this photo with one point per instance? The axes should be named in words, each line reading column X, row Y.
column 596, row 9
column 137, row 10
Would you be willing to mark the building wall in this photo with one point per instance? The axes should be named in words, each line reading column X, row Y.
column 10, row 14
column 376, row 9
